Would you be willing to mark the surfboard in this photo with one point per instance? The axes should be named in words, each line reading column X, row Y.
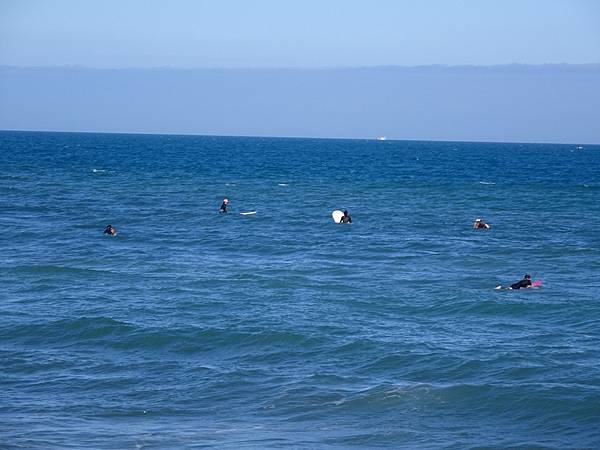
column 248, row 213
column 337, row 216
column 536, row 283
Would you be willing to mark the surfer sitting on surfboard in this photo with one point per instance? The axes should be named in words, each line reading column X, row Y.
column 223, row 208
column 110, row 230
column 479, row 223
column 346, row 217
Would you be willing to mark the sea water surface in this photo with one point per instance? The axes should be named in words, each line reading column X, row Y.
column 192, row 329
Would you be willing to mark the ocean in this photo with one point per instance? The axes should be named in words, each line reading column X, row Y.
column 194, row 329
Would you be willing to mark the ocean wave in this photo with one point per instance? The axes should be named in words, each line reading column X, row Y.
column 50, row 269
column 67, row 331
column 105, row 331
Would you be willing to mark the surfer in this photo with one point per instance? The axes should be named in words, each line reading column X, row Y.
column 223, row 208
column 525, row 283
column 110, row 230
column 480, row 224
column 346, row 217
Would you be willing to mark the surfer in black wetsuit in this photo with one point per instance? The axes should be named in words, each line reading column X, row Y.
column 525, row 283
column 223, row 208
column 346, row 217
column 110, row 230
column 522, row 284
column 480, row 224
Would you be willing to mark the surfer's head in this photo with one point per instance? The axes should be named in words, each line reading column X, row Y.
column 225, row 201
column 345, row 212
column 527, row 276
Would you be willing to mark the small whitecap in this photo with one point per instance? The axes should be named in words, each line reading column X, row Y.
column 98, row 170
column 282, row 184
column 486, row 182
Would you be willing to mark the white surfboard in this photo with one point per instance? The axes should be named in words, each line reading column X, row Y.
column 337, row 216
column 248, row 213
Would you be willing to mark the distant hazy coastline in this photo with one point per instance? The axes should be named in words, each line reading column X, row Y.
column 518, row 103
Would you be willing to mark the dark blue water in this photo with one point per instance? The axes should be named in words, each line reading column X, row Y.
column 192, row 329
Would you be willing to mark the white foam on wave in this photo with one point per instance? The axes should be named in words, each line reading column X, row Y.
column 98, row 170
column 486, row 182
column 282, row 184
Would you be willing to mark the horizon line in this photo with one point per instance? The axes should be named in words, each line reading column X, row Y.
column 307, row 68
column 295, row 137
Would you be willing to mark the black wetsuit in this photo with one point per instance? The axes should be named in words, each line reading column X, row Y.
column 109, row 230
column 481, row 225
column 223, row 208
column 524, row 283
column 346, row 219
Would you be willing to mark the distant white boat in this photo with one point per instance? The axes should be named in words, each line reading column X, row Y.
column 380, row 138
column 579, row 147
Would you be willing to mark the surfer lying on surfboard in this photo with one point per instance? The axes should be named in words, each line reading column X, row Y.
column 525, row 283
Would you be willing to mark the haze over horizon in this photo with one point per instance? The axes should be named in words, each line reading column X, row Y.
column 503, row 103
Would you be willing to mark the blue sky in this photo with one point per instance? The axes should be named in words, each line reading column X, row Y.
column 302, row 33
column 311, row 68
